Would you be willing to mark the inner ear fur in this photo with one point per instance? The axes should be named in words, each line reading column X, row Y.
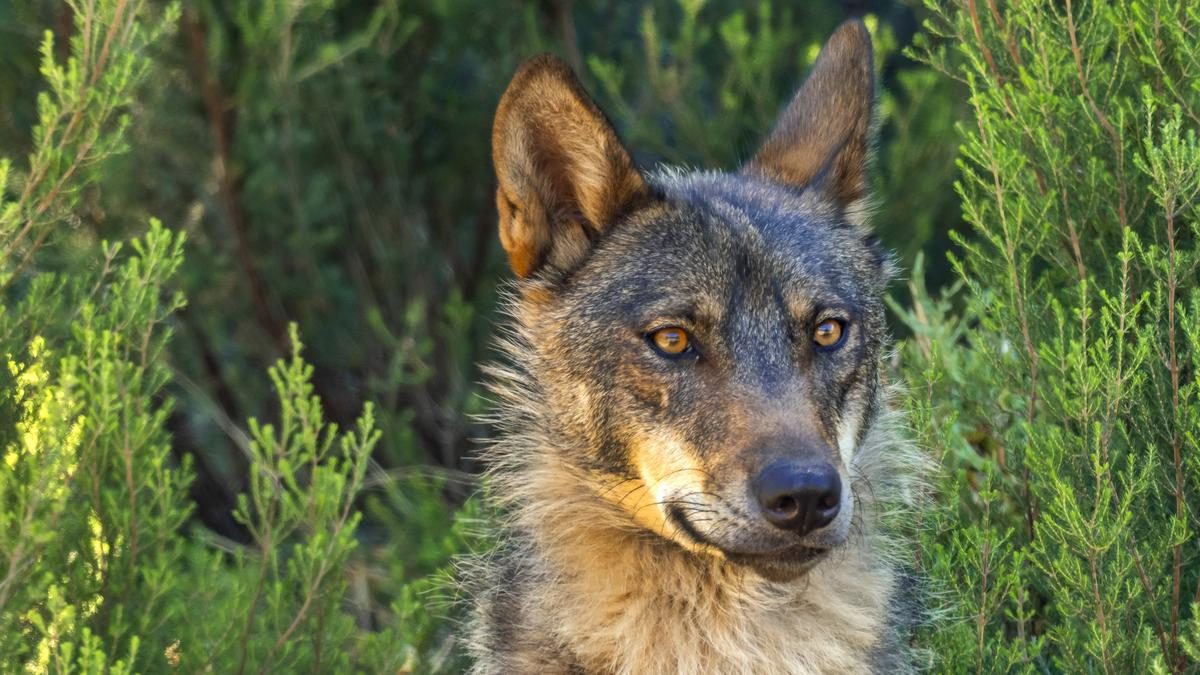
column 822, row 139
column 563, row 175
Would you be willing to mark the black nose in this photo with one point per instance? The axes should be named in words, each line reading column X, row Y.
column 799, row 497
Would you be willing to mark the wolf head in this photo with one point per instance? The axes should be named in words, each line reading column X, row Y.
column 699, row 352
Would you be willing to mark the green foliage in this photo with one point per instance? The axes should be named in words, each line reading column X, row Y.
column 99, row 573
column 79, row 123
column 100, row 568
column 1064, row 538
column 92, row 498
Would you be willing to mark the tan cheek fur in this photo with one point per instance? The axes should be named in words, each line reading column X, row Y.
column 667, row 470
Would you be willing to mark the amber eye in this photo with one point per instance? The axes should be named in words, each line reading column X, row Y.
column 671, row 341
column 828, row 333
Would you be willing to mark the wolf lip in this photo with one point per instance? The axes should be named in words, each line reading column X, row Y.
column 781, row 566
column 790, row 554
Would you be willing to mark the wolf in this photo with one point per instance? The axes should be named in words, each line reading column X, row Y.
column 694, row 445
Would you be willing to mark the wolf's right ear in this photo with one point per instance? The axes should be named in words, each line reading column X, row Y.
column 563, row 174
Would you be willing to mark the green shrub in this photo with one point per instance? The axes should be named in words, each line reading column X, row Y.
column 1064, row 401
column 99, row 568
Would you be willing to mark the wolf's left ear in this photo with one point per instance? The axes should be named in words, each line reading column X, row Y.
column 822, row 140
column 563, row 174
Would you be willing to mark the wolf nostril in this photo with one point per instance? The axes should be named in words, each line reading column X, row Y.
column 786, row 506
column 799, row 497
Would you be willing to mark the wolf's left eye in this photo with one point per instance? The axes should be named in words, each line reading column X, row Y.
column 671, row 341
column 829, row 333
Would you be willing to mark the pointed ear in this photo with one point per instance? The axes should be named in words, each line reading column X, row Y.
column 823, row 138
column 563, row 174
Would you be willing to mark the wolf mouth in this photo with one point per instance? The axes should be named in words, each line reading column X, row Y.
column 790, row 554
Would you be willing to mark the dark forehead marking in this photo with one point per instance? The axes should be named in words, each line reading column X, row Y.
column 756, row 198
column 800, row 223
column 800, row 230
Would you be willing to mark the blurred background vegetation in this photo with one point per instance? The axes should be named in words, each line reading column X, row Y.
column 326, row 164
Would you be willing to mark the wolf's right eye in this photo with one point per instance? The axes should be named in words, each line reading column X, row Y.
column 671, row 341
